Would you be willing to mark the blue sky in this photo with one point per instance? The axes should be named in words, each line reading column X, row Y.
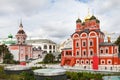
column 55, row 19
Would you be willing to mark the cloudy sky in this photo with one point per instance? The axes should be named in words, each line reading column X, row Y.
column 55, row 19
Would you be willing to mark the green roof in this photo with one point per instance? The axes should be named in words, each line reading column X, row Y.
column 9, row 42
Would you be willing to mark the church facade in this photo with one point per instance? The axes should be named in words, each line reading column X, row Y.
column 89, row 51
column 21, row 51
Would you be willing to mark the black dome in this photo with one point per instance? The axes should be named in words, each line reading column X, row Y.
column 92, row 17
column 78, row 20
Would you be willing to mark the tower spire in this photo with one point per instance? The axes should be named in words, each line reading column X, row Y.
column 88, row 16
column 20, row 26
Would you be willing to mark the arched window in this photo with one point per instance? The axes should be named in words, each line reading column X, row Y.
column 91, row 53
column 101, row 51
column 106, row 50
column 84, row 53
column 84, row 44
column 45, row 46
column 54, row 47
column 50, row 47
column 77, row 53
column 39, row 48
column 77, row 44
column 50, row 51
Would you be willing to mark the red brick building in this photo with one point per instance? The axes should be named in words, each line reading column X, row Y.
column 89, row 51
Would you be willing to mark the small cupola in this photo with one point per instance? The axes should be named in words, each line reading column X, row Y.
column 94, row 18
column 78, row 24
column 10, row 36
column 78, row 20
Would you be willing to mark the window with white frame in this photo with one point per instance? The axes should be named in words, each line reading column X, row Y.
column 91, row 61
column 91, row 42
column 102, row 61
column 101, row 50
column 84, row 43
column 82, row 61
column 77, row 61
column 77, row 53
column 84, row 53
column 87, row 61
column 91, row 52
column 106, row 50
column 67, row 53
column 109, row 61
column 77, row 44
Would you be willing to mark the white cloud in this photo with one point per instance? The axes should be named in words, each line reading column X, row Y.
column 55, row 19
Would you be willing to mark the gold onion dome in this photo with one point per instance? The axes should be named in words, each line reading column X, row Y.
column 87, row 17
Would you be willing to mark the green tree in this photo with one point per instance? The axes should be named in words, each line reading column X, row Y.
column 117, row 42
column 27, row 76
column 8, row 58
column 59, row 57
column 5, row 53
column 49, row 58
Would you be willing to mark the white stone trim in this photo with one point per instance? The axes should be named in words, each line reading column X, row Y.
column 94, row 33
column 83, row 34
column 75, row 35
column 80, row 47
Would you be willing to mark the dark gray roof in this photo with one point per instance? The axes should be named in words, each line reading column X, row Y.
column 119, row 55
column 67, row 48
column 21, row 32
column 107, row 44
column 40, row 41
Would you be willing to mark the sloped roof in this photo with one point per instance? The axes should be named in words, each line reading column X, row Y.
column 40, row 41
column 9, row 42
column 107, row 44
